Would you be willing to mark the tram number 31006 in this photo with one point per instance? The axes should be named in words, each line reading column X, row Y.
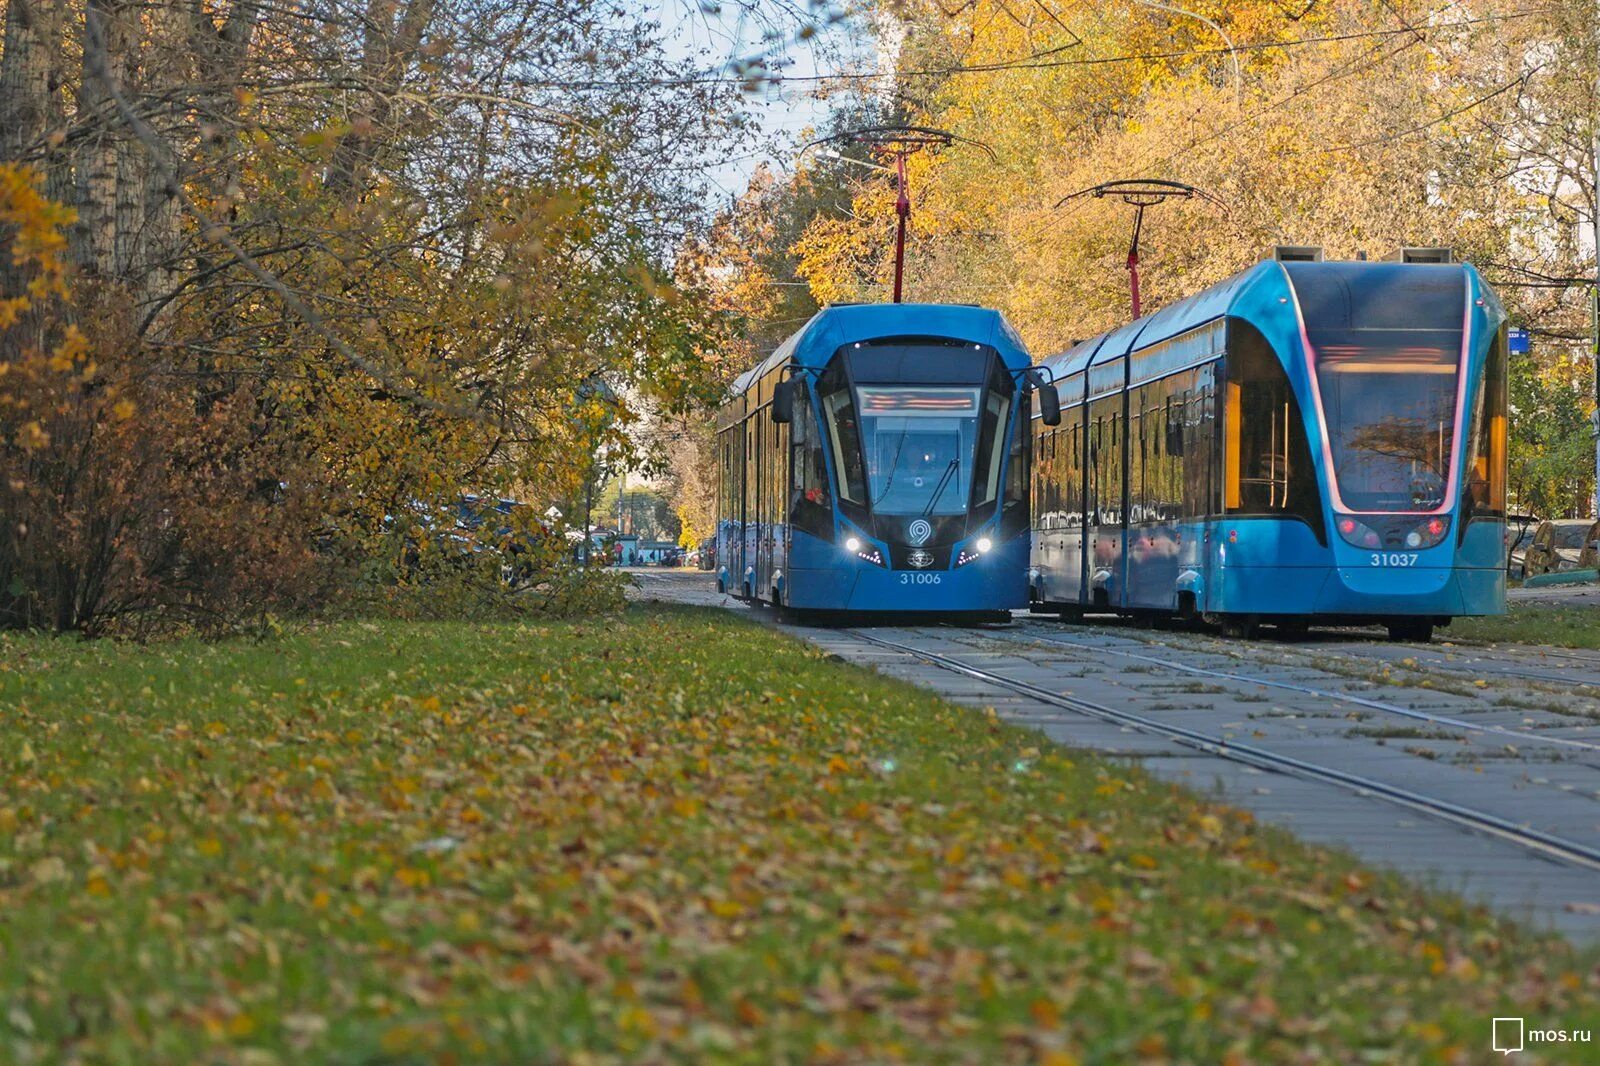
column 920, row 579
column 1394, row 558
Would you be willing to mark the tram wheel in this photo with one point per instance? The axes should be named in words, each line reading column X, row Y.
column 1236, row 628
column 1411, row 630
column 1294, row 628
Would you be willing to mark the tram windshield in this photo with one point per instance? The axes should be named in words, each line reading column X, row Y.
column 919, row 429
column 920, row 445
column 1389, row 396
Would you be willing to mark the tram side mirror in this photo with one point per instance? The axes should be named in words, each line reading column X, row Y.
column 1049, row 405
column 783, row 402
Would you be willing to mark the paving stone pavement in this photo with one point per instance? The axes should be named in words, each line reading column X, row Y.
column 1524, row 778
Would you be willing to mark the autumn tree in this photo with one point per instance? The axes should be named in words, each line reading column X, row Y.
column 339, row 264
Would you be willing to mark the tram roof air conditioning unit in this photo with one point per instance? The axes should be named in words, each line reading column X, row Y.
column 1422, row 255
column 1297, row 253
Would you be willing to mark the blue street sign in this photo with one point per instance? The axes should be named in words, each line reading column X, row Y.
column 1521, row 342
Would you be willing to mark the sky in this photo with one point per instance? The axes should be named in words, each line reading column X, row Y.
column 717, row 41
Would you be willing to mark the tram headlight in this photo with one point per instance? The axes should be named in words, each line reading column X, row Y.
column 859, row 548
column 973, row 552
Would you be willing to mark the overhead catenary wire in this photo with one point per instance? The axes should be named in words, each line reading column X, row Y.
column 1007, row 65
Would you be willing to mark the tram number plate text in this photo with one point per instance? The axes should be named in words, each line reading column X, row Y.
column 1394, row 558
column 921, row 579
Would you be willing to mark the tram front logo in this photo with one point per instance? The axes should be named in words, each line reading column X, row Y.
column 918, row 532
column 920, row 559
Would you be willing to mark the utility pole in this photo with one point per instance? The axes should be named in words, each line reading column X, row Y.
column 588, row 514
column 1594, row 300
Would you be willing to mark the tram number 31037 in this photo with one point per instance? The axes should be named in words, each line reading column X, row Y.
column 920, row 579
column 1394, row 558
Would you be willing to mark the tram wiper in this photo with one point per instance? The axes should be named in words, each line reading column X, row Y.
column 938, row 490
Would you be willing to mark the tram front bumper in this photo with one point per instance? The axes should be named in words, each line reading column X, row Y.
column 1355, row 591
column 1379, row 590
column 975, row 587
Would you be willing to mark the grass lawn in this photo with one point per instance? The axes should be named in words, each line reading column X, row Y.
column 1532, row 623
column 670, row 835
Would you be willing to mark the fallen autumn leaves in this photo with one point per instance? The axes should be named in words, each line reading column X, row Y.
column 672, row 835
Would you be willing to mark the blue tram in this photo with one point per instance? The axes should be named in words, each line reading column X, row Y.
column 876, row 462
column 1305, row 441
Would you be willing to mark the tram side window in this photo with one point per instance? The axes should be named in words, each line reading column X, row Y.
column 1266, row 458
column 1091, row 471
column 1138, row 461
column 1071, row 502
column 780, row 458
column 992, row 423
column 1199, row 437
column 728, row 513
column 724, row 474
column 810, row 505
column 1041, row 475
column 1485, row 495
column 1097, row 469
column 1111, row 506
column 844, row 435
column 1058, row 475
column 752, row 482
column 1172, row 447
column 1016, row 487
column 1105, row 505
column 1049, row 487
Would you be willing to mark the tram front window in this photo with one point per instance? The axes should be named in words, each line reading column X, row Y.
column 917, row 425
column 1389, row 396
column 919, row 443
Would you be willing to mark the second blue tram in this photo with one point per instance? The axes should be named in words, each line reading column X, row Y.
column 1303, row 442
column 876, row 462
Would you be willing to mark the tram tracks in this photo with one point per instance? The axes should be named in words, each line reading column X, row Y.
column 1383, row 706
column 1534, row 840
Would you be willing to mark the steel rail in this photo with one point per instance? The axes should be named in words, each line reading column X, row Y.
column 1345, row 697
column 1538, row 649
column 1534, row 840
column 1508, row 667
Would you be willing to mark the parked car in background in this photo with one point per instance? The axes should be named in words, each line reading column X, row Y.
column 1562, row 544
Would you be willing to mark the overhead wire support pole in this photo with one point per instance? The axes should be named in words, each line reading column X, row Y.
column 900, row 142
column 902, row 210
